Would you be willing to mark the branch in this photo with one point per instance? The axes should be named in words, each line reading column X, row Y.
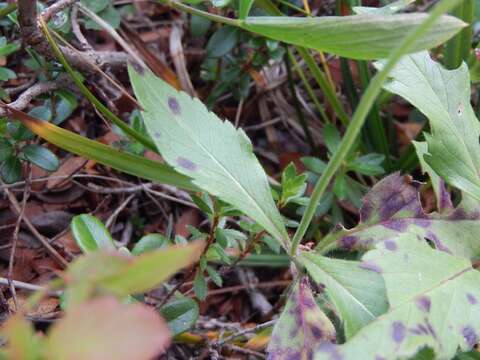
column 31, row 35
column 38, row 89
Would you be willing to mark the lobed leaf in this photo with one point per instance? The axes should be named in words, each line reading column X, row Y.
column 392, row 208
column 375, row 35
column 434, row 301
column 218, row 157
column 443, row 96
column 301, row 326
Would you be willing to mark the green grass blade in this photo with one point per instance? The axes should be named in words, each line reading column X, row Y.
column 103, row 154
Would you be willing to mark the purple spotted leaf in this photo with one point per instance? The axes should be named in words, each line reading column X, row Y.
column 302, row 326
column 434, row 302
column 217, row 156
column 392, row 208
column 357, row 294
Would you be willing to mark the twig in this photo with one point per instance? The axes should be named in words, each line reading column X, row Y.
column 38, row 89
column 76, row 30
column 61, row 261
column 244, row 332
column 245, row 351
column 27, row 286
column 118, row 210
column 26, row 195
column 31, row 35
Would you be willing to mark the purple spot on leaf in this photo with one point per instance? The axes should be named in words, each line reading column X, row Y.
column 390, row 245
column 317, row 332
column 438, row 244
column 156, row 135
column 423, row 303
column 330, row 349
column 424, row 223
column 472, row 299
column 398, row 332
column 370, row 265
column 186, row 164
column 399, row 225
column 379, row 357
column 348, row 242
column 470, row 335
column 445, row 200
column 174, row 105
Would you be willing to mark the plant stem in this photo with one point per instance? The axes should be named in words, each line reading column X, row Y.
column 296, row 103
column 204, row 14
column 361, row 113
column 458, row 48
column 88, row 94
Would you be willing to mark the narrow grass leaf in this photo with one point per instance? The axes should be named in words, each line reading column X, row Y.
column 375, row 35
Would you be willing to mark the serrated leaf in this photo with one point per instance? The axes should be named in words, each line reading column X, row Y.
column 301, row 326
column 443, row 96
column 443, row 198
column 218, row 157
column 392, row 208
column 90, row 234
column 434, row 301
column 375, row 35
column 357, row 294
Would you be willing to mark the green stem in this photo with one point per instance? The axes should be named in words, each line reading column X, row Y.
column 458, row 48
column 88, row 94
column 308, row 87
column 201, row 13
column 296, row 102
column 358, row 119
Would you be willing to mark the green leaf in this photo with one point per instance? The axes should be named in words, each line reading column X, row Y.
column 148, row 270
column 391, row 8
column 215, row 276
column 293, row 185
column 150, row 242
column 7, row 74
column 11, row 170
column 181, row 314
column 245, row 6
column 90, row 234
column 41, row 156
column 357, row 294
column 96, row 5
column 370, row 164
column 443, row 96
column 23, row 342
column 331, row 138
column 301, row 326
column 222, row 41
column 106, row 155
column 218, row 157
column 434, row 301
column 200, row 286
column 6, row 149
column 392, row 208
column 375, row 35
column 443, row 200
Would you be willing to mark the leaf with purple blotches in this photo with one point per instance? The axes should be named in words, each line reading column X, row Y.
column 358, row 295
column 392, row 208
column 302, row 326
column 433, row 299
column 217, row 156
